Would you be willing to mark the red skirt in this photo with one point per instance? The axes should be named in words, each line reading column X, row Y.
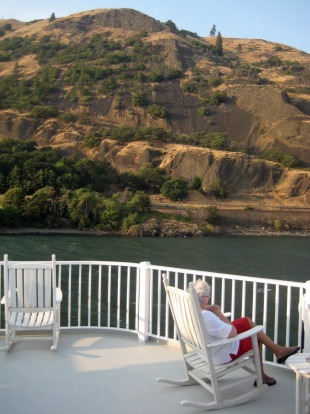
column 245, row 345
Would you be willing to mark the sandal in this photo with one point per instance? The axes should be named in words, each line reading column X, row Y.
column 268, row 381
column 282, row 359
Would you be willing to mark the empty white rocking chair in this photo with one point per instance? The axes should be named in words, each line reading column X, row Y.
column 197, row 355
column 31, row 300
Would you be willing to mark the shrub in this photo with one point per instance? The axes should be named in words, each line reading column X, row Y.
column 218, row 97
column 68, row 117
column 131, row 220
column 289, row 161
column 216, row 188
column 14, row 197
column 204, row 111
column 153, row 177
column 197, row 183
column 44, row 112
column 278, row 224
column 276, row 156
column 92, row 139
column 271, row 62
column 132, row 182
column 214, row 140
column 107, row 86
column 139, row 203
column 215, row 81
column 203, row 215
column 174, row 73
column 116, row 58
column 10, row 216
column 139, row 99
column 213, row 215
column 190, row 87
column 175, row 190
column 111, row 216
column 156, row 77
column 158, row 111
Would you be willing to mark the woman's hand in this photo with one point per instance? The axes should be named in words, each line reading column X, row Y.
column 214, row 308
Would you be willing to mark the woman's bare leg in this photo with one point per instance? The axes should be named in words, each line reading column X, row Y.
column 278, row 350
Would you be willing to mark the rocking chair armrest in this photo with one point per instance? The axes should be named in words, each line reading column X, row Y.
column 246, row 334
column 58, row 295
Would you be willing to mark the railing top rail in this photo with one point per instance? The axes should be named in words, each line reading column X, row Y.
column 230, row 276
column 96, row 262
column 195, row 272
column 74, row 262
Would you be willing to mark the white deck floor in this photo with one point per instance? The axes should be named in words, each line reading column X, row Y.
column 102, row 372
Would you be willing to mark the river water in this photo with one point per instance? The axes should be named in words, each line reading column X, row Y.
column 285, row 258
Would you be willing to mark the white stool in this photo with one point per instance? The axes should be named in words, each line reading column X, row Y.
column 300, row 363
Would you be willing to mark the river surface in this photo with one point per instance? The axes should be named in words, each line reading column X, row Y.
column 285, row 258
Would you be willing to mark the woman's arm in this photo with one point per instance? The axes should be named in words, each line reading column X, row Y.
column 216, row 309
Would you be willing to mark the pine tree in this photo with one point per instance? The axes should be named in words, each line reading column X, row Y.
column 218, row 48
column 52, row 18
column 213, row 30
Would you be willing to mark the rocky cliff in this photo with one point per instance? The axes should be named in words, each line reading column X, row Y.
column 256, row 94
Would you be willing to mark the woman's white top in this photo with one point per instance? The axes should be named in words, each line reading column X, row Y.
column 218, row 329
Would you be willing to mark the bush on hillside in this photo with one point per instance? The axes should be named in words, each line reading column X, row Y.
column 175, row 190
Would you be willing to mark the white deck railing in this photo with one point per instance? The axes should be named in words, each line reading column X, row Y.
column 131, row 297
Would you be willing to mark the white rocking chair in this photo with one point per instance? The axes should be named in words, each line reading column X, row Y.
column 197, row 355
column 31, row 300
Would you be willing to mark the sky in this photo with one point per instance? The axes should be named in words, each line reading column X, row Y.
column 282, row 21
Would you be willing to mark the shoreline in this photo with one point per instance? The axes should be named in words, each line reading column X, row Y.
column 227, row 232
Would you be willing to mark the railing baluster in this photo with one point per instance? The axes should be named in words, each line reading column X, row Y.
column 99, row 294
column 69, row 295
column 223, row 296
column 254, row 301
column 265, row 307
column 89, row 295
column 128, row 298
column 136, row 299
column 243, row 312
column 288, row 315
column 109, row 296
column 118, row 296
column 159, row 304
column 276, row 314
column 233, row 300
column 80, row 296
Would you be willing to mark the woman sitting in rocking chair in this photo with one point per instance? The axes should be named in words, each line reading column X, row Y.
column 219, row 327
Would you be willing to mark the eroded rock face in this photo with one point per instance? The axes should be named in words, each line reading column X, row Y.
column 265, row 101
column 95, row 21
column 283, row 125
column 17, row 126
column 239, row 173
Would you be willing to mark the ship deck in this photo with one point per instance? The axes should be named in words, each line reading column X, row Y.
column 110, row 372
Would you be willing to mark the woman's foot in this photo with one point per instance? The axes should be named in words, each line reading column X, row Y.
column 267, row 380
column 289, row 351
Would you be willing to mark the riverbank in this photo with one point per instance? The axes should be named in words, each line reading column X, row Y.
column 193, row 219
column 167, row 229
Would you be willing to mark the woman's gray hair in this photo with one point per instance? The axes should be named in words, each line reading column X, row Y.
column 202, row 288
